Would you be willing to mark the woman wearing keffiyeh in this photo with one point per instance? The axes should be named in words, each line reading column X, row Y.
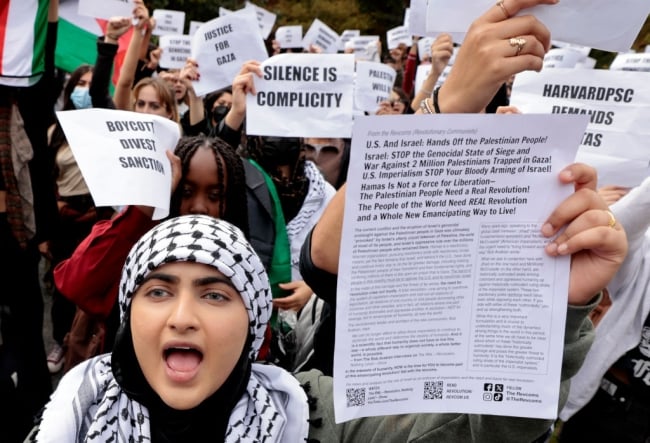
column 194, row 303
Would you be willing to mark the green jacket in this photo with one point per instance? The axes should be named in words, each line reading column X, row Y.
column 446, row 428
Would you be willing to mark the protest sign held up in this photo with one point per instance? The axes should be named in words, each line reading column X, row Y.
column 105, row 8
column 321, row 35
column 175, row 50
column 121, row 155
column 303, row 95
column 169, row 22
column 221, row 46
column 617, row 104
column 373, row 84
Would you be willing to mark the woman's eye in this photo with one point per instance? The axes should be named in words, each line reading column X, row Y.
column 157, row 292
column 216, row 296
column 186, row 192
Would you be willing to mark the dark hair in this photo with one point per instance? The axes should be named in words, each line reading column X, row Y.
column 72, row 83
column 58, row 137
column 233, row 207
column 345, row 164
column 212, row 97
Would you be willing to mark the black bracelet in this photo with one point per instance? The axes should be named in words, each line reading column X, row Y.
column 435, row 100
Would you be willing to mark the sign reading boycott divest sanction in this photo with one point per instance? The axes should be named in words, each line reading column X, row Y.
column 303, row 95
column 122, row 157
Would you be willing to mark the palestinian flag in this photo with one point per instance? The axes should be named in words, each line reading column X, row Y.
column 76, row 42
column 23, row 30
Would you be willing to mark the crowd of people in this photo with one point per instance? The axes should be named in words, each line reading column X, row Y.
column 217, row 323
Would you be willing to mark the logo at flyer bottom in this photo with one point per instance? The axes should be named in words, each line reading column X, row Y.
column 492, row 392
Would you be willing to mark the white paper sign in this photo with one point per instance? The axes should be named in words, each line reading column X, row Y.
column 175, row 50
column 105, row 8
column 600, row 24
column 418, row 18
column 347, row 36
column 323, row 36
column 442, row 215
column 121, row 155
column 373, row 85
column 365, row 47
column 584, row 50
column 224, row 11
column 169, row 22
column 562, row 58
column 586, row 63
column 407, row 17
column 266, row 19
column 194, row 26
column 289, row 36
column 221, row 46
column 631, row 62
column 424, row 48
column 422, row 72
column 618, row 104
column 303, row 95
column 397, row 36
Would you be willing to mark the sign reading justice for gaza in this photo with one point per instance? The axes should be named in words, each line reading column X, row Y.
column 221, row 46
column 122, row 157
column 303, row 95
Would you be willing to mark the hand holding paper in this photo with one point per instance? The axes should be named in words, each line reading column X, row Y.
column 242, row 85
column 487, row 59
column 593, row 238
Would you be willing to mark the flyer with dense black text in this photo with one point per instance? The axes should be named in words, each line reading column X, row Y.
column 446, row 300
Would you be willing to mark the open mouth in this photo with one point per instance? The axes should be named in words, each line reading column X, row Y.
column 183, row 358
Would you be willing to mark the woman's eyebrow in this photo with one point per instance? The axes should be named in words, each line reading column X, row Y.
column 204, row 281
column 167, row 278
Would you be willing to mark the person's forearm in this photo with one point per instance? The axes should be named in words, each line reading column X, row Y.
column 122, row 93
column 53, row 11
column 426, row 89
column 197, row 110
column 326, row 237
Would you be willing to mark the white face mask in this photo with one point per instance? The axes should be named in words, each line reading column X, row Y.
column 81, row 98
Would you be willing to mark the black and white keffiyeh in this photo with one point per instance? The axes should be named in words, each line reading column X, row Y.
column 315, row 192
column 90, row 405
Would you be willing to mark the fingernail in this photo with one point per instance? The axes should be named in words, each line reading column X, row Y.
column 563, row 248
column 547, row 229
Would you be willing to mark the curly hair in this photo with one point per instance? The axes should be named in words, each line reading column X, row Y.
column 233, row 207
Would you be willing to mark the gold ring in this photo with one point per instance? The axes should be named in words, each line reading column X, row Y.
column 503, row 9
column 612, row 220
column 517, row 42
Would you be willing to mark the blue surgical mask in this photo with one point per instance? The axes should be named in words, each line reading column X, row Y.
column 81, row 98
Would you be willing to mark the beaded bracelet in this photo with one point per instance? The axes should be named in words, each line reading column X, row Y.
column 424, row 105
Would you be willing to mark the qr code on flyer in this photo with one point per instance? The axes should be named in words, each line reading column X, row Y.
column 356, row 397
column 433, row 390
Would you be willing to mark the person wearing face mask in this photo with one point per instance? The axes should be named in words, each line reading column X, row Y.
column 77, row 211
column 220, row 103
column 204, row 115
